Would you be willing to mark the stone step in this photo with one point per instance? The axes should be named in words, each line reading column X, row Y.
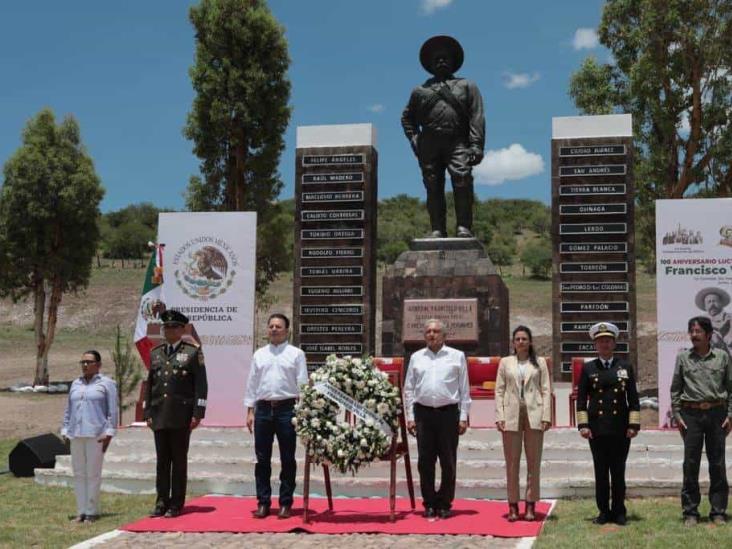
column 468, row 469
column 360, row 486
column 575, row 450
column 220, row 435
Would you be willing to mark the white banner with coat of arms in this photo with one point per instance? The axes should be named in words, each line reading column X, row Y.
column 694, row 278
column 209, row 275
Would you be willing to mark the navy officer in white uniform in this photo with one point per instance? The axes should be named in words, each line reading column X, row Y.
column 437, row 402
column 275, row 376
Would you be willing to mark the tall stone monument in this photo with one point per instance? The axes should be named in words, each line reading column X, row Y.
column 593, row 227
column 451, row 279
column 334, row 303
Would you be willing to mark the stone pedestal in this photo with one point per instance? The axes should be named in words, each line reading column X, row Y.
column 450, row 269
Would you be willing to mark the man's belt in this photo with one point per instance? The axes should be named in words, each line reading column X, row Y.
column 445, row 407
column 276, row 403
column 706, row 405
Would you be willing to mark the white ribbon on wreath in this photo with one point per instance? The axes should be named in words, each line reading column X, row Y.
column 353, row 406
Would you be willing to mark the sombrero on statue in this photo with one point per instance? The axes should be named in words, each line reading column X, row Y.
column 441, row 42
column 701, row 296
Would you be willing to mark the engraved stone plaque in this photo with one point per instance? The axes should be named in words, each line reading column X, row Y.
column 460, row 317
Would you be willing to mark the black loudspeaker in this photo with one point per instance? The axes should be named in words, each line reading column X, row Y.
column 40, row 451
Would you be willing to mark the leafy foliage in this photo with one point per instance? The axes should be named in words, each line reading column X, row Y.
column 127, row 371
column 537, row 256
column 238, row 117
column 49, row 207
column 673, row 71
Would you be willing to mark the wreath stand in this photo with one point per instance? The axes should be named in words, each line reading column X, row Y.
column 398, row 449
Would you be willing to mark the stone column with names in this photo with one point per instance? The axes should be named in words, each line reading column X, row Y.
column 593, row 228
column 334, row 300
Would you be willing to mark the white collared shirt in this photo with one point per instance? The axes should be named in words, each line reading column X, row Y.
column 276, row 373
column 437, row 379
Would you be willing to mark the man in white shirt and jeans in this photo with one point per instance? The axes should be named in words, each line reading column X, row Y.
column 275, row 376
column 437, row 402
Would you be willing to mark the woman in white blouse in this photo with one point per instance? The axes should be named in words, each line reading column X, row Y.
column 523, row 413
column 90, row 422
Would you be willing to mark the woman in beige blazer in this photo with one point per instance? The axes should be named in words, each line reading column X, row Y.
column 523, row 413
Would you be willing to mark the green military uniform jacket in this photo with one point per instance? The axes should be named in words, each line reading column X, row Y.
column 607, row 398
column 176, row 386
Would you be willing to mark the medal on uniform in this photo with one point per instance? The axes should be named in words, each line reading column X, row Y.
column 622, row 373
column 182, row 357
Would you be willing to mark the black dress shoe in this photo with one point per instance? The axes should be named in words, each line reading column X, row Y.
column 621, row 520
column 285, row 512
column 445, row 513
column 429, row 512
column 159, row 511
column 262, row 511
column 91, row 518
column 172, row 512
column 602, row 518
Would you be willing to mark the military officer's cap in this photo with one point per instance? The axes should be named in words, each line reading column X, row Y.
column 604, row 329
column 173, row 318
column 441, row 42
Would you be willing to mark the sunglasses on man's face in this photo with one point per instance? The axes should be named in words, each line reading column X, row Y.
column 86, row 362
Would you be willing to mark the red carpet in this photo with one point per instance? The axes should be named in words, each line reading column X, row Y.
column 234, row 514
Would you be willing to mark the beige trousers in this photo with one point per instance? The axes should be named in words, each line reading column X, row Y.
column 532, row 442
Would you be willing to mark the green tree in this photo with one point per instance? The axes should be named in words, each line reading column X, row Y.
column 537, row 256
column 127, row 371
column 672, row 71
column 503, row 246
column 400, row 219
column 239, row 115
column 49, row 211
column 126, row 232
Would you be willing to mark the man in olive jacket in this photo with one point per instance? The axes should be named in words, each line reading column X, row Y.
column 174, row 405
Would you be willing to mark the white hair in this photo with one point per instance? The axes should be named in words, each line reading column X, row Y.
column 440, row 324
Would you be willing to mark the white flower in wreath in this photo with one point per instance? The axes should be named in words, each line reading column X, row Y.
column 369, row 422
column 382, row 408
column 364, row 442
column 357, row 362
column 315, row 423
column 341, row 453
column 360, row 384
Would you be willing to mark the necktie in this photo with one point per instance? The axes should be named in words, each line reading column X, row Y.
column 607, row 364
column 170, row 350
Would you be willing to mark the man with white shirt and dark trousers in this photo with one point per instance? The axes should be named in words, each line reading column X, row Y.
column 275, row 376
column 437, row 402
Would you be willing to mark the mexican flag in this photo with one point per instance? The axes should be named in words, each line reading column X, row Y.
column 151, row 292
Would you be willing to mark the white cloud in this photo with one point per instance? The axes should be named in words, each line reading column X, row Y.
column 585, row 39
column 376, row 108
column 514, row 80
column 511, row 163
column 431, row 6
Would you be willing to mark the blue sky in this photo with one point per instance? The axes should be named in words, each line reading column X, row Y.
column 122, row 70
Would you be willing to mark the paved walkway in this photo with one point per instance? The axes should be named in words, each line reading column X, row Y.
column 305, row 541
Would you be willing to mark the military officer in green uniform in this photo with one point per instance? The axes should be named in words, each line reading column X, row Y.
column 174, row 405
column 608, row 415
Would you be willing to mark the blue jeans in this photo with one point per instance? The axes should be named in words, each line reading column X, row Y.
column 270, row 421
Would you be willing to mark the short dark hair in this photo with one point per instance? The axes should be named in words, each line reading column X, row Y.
column 96, row 355
column 703, row 322
column 281, row 317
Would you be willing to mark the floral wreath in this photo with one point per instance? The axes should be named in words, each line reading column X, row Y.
column 336, row 442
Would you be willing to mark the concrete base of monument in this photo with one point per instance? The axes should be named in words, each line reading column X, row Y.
column 221, row 461
column 445, row 269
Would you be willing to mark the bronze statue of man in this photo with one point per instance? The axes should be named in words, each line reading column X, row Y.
column 445, row 125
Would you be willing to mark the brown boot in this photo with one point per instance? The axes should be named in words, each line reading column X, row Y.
column 530, row 512
column 513, row 512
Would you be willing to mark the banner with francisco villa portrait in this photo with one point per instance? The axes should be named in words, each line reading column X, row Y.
column 694, row 277
column 209, row 275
